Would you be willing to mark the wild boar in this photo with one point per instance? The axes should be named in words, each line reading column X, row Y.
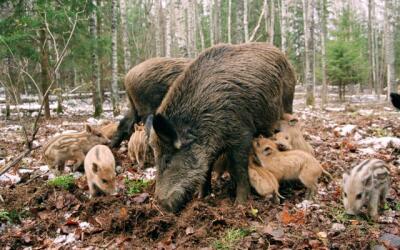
column 225, row 97
column 146, row 85
column 289, row 165
column 109, row 130
column 263, row 181
column 72, row 147
column 137, row 146
column 290, row 127
column 366, row 184
column 100, row 170
column 395, row 98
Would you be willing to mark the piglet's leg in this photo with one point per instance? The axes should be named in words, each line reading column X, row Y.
column 92, row 190
column 80, row 157
column 383, row 194
column 373, row 205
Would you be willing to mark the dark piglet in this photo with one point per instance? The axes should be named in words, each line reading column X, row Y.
column 146, row 85
column 228, row 95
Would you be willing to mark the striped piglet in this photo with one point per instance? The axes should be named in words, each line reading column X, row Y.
column 366, row 184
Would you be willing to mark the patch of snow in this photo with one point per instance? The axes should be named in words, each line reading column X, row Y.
column 24, row 171
column 346, row 129
column 357, row 136
column 67, row 215
column 44, row 168
column 381, row 142
column 2, row 162
column 119, row 117
column 51, row 176
column 149, row 173
column 338, row 227
column 335, row 109
column 9, row 178
column 77, row 175
column 306, row 204
column 85, row 225
column 65, row 239
column 92, row 121
column 367, row 151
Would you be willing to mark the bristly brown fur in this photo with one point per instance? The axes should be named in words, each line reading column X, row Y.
column 224, row 98
column 146, row 85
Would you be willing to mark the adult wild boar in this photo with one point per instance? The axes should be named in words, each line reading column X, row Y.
column 225, row 97
column 395, row 98
column 146, row 85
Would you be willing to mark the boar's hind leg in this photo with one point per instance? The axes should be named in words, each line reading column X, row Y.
column 79, row 161
column 238, row 169
column 205, row 188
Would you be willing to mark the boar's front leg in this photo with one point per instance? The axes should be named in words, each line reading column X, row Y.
column 205, row 188
column 239, row 171
column 373, row 204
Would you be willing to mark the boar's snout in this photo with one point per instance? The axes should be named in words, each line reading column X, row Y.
column 173, row 203
column 282, row 147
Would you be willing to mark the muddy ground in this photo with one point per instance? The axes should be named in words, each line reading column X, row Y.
column 35, row 214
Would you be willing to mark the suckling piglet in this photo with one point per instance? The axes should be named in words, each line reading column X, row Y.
column 289, row 165
column 137, row 146
column 100, row 170
column 366, row 184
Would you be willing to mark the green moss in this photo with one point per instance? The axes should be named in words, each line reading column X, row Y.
column 135, row 186
column 63, row 181
column 230, row 238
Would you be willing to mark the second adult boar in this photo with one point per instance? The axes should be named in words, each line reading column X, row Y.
column 228, row 95
column 146, row 85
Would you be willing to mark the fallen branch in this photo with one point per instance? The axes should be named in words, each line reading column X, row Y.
column 18, row 159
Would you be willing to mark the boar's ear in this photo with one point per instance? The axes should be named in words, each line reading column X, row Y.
column 267, row 151
column 135, row 126
column 95, row 167
column 166, row 131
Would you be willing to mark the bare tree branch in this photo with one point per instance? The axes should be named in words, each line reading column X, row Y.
column 258, row 22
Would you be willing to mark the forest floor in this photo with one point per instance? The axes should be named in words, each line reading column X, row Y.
column 36, row 212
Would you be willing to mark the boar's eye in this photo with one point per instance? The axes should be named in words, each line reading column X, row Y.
column 287, row 138
column 358, row 197
column 104, row 181
column 345, row 194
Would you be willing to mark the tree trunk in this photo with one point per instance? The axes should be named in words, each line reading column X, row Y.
column 308, row 30
column 284, row 25
column 200, row 27
column 100, row 52
column 125, row 40
column 114, row 60
column 96, row 85
column 168, row 29
column 271, row 23
column 59, row 92
column 371, row 77
column 157, row 26
column 44, row 63
column 212, row 16
column 229, row 22
column 217, row 21
column 324, row 35
column 245, row 20
column 180, row 29
column 191, row 24
column 239, row 22
column 389, row 46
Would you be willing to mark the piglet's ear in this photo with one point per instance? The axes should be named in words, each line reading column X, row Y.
column 345, row 177
column 166, row 131
column 256, row 160
column 95, row 167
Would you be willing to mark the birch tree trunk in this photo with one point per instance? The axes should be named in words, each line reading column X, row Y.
column 200, row 27
column 308, row 29
column 324, row 35
column 96, row 85
column 271, row 23
column 157, row 26
column 44, row 63
column 125, row 40
column 180, row 27
column 212, row 11
column 284, row 25
column 168, row 29
column 372, row 77
column 114, row 60
column 389, row 46
column 239, row 23
column 100, row 52
column 191, row 24
column 217, row 21
column 229, row 22
column 245, row 20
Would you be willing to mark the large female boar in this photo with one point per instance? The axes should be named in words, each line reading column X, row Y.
column 146, row 85
column 224, row 98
